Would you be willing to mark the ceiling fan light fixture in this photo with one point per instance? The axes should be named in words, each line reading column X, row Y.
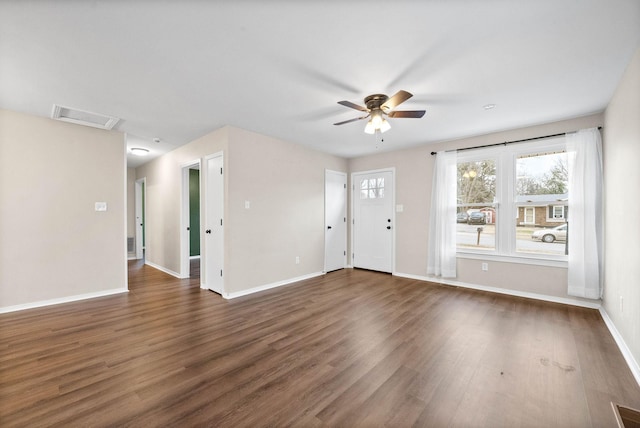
column 377, row 123
column 369, row 128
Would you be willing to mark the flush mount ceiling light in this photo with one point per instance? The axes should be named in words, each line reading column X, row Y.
column 139, row 151
column 81, row 117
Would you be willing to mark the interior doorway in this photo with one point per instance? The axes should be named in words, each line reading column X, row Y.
column 140, row 205
column 190, row 220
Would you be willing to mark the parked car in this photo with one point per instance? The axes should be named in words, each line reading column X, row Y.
column 477, row 217
column 558, row 233
column 462, row 217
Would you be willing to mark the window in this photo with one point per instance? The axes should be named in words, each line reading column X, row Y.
column 372, row 188
column 508, row 194
column 557, row 212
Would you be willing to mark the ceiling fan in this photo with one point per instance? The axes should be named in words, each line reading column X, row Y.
column 377, row 107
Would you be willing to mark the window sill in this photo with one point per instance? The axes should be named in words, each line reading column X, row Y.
column 523, row 260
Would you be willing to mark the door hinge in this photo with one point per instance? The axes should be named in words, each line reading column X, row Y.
column 220, row 272
column 344, row 219
column 220, row 170
column 345, row 253
column 345, row 185
column 220, row 222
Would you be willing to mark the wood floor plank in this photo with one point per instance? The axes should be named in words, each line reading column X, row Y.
column 350, row 348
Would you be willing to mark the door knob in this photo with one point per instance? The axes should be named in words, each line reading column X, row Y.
column 207, row 231
column 388, row 227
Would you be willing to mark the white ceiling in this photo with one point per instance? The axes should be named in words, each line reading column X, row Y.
column 178, row 70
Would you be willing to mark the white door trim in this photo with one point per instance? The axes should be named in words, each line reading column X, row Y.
column 184, row 217
column 392, row 170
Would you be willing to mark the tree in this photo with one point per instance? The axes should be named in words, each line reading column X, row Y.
column 556, row 180
column 476, row 182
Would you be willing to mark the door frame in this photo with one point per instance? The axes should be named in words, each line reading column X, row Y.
column 346, row 197
column 140, row 205
column 392, row 170
column 185, row 263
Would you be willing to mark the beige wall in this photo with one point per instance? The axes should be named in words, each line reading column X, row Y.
column 414, row 169
column 622, row 207
column 284, row 183
column 54, row 245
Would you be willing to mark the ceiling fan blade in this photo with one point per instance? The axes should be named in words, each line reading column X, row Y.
column 352, row 105
column 407, row 113
column 352, row 120
column 397, row 99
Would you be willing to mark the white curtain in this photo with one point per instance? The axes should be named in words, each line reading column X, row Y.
column 442, row 222
column 584, row 149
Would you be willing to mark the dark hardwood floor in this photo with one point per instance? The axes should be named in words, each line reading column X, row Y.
column 351, row 348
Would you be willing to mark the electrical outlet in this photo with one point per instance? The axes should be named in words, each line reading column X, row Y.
column 485, row 266
column 297, row 260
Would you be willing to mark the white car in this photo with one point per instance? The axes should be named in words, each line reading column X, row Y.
column 558, row 233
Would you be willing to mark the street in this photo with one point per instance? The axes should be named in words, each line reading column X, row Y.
column 467, row 237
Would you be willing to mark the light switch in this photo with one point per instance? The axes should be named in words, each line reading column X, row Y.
column 101, row 206
column 247, row 204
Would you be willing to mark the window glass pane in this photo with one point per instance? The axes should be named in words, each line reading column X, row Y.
column 381, row 193
column 364, row 194
column 476, row 219
column 541, row 188
column 364, row 184
column 372, row 193
column 381, row 182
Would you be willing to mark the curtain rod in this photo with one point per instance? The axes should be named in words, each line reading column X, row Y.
column 510, row 142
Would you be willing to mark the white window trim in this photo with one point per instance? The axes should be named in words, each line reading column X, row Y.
column 507, row 213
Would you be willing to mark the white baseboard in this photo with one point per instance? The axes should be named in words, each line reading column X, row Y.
column 60, row 300
column 269, row 286
column 165, row 270
column 626, row 352
column 546, row 298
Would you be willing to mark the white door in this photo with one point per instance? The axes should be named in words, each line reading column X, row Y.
column 335, row 220
column 213, row 225
column 373, row 220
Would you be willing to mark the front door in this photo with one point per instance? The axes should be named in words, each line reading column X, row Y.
column 373, row 220
column 335, row 220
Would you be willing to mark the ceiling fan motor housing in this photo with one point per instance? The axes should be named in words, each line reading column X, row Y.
column 375, row 101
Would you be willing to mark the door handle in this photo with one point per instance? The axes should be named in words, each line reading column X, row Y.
column 388, row 227
column 207, row 231
column 328, row 227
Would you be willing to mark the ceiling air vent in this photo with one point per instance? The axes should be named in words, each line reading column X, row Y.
column 80, row 117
